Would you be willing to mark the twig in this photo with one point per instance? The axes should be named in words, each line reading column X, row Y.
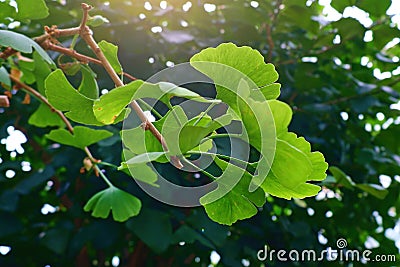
column 268, row 29
column 87, row 36
column 270, row 42
column 69, row 52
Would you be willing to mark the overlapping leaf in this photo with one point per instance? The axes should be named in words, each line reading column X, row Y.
column 111, row 53
column 234, row 201
column 293, row 164
column 23, row 44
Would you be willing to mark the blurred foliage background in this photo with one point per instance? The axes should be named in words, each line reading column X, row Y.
column 339, row 69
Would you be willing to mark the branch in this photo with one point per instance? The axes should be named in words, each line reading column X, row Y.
column 4, row 101
column 270, row 42
column 268, row 29
column 48, row 45
column 87, row 36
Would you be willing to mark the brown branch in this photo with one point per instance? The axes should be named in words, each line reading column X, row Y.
column 4, row 102
column 268, row 28
column 7, row 53
column 87, row 36
column 69, row 52
column 73, row 53
column 270, row 42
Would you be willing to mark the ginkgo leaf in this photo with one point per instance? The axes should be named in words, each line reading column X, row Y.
column 88, row 86
column 237, row 63
column 111, row 53
column 232, row 200
column 81, row 138
column 4, row 77
column 23, row 44
column 32, row 9
column 182, row 134
column 64, row 97
column 294, row 165
column 122, row 204
column 286, row 162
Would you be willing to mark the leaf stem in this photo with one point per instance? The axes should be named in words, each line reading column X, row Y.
column 192, row 152
column 152, row 109
column 204, row 113
column 215, row 136
column 200, row 169
column 102, row 175
column 107, row 164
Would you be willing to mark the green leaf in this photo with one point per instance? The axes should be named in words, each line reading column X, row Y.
column 32, row 9
column 374, row 189
column 140, row 141
column 294, row 165
column 153, row 228
column 181, row 134
column 231, row 202
column 64, row 97
column 282, row 114
column 23, row 44
column 122, row 204
column 342, row 178
column 237, row 63
column 141, row 172
column 44, row 117
column 383, row 34
column 112, row 104
column 305, row 21
column 343, row 25
column 4, row 78
column 375, row 8
column 340, row 5
column 144, row 158
column 88, row 85
column 41, row 71
column 81, row 138
column 97, row 21
column 6, row 11
column 111, row 53
column 244, row 59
